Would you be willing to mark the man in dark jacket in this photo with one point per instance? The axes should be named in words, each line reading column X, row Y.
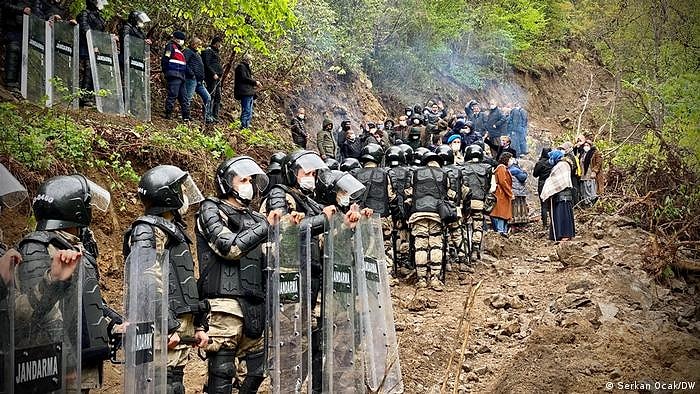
column 174, row 66
column 212, row 75
column 351, row 146
column 195, row 78
column 325, row 141
column 541, row 172
column 299, row 135
column 51, row 10
column 244, row 89
column 496, row 123
column 12, row 14
column 89, row 19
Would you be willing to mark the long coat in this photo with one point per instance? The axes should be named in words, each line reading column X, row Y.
column 504, row 193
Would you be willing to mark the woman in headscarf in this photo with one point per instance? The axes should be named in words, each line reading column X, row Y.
column 592, row 163
column 521, row 216
column 503, row 211
column 558, row 194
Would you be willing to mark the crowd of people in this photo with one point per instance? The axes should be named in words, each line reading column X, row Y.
column 432, row 191
column 187, row 66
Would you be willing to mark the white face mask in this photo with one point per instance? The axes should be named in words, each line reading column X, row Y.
column 245, row 191
column 307, row 182
column 455, row 147
column 586, row 148
column 186, row 204
column 351, row 137
column 402, row 123
column 493, row 106
column 343, row 200
column 301, row 116
column 180, row 42
column 511, row 162
column 140, row 25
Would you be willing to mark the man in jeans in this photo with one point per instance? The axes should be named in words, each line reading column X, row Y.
column 244, row 87
column 195, row 78
column 212, row 75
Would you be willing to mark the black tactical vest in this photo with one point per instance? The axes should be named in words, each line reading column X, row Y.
column 478, row 178
column 232, row 278
column 429, row 187
column 95, row 338
column 376, row 195
column 182, row 295
column 454, row 173
column 400, row 179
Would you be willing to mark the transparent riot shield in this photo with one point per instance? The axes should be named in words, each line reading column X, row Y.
column 378, row 335
column 285, row 345
column 342, row 371
column 7, row 338
column 34, row 71
column 137, row 74
column 146, row 336
column 104, row 64
column 62, row 63
column 47, row 331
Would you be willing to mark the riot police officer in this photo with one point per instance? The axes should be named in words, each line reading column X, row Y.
column 166, row 192
column 350, row 165
column 379, row 194
column 63, row 209
column 479, row 176
column 230, row 236
column 296, row 198
column 400, row 177
column 455, row 232
column 274, row 171
column 430, row 186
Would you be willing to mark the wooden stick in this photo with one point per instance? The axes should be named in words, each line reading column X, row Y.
column 459, row 330
column 466, row 337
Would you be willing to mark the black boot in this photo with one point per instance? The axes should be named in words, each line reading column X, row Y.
column 316, row 361
column 255, row 363
column 175, row 384
column 222, row 370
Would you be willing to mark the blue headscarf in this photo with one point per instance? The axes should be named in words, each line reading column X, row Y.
column 555, row 156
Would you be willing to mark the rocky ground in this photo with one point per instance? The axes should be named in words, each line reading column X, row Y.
column 567, row 317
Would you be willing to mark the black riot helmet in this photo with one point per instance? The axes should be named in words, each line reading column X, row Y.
column 418, row 155
column 407, row 153
column 137, row 18
column 430, row 156
column 332, row 163
column 408, row 111
column 241, row 166
column 66, row 201
column 167, row 188
column 446, row 155
column 394, row 157
column 350, row 164
column 332, row 184
column 304, row 159
column 372, row 152
column 277, row 161
column 474, row 152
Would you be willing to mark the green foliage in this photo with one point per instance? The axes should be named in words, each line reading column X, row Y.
column 262, row 138
column 187, row 138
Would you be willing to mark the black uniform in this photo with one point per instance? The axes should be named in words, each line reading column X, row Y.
column 12, row 15
column 88, row 19
column 231, row 266
column 212, row 66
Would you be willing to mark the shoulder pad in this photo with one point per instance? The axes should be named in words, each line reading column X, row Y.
column 167, row 226
column 45, row 238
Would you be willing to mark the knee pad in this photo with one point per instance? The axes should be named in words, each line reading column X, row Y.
column 221, row 370
column 255, row 363
column 174, row 380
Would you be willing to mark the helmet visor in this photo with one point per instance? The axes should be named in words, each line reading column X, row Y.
column 11, row 191
column 191, row 191
column 143, row 18
column 310, row 162
column 99, row 197
column 247, row 167
column 350, row 185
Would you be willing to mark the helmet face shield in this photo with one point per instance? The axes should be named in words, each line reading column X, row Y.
column 99, row 197
column 143, row 18
column 247, row 167
column 348, row 184
column 11, row 191
column 190, row 191
column 310, row 162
